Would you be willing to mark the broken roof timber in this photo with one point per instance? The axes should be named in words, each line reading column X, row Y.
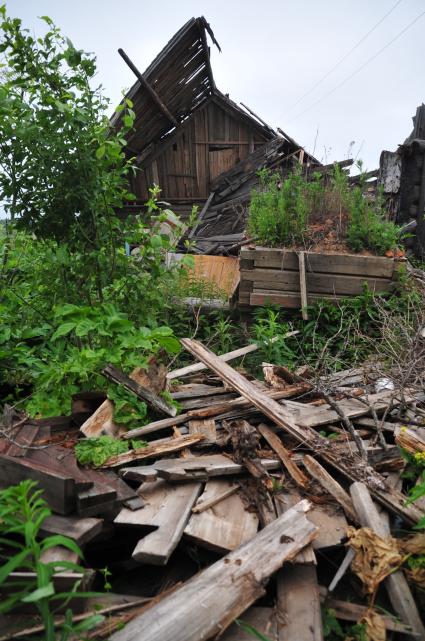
column 175, row 83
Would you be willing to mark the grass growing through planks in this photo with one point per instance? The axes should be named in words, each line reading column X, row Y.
column 22, row 513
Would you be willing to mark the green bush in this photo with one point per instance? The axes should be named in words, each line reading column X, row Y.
column 367, row 228
column 278, row 212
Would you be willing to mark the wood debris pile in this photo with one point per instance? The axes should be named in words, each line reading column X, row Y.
column 259, row 502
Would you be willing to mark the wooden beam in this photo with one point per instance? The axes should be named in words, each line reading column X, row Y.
column 227, row 588
column 228, row 356
column 328, row 483
column 156, row 402
column 277, row 446
column 148, row 88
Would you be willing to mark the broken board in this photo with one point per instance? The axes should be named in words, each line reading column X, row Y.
column 167, row 510
column 224, row 526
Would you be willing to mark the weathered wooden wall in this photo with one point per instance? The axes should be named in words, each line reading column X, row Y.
column 212, row 140
column 273, row 276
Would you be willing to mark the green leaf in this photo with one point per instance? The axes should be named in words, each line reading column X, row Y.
column 88, row 624
column 63, row 330
column 170, row 344
column 84, row 327
column 40, row 593
column 100, row 151
column 59, row 539
column 12, row 565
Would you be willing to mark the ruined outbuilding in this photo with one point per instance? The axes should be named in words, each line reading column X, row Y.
column 192, row 140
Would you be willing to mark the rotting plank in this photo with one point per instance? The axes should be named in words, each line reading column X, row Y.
column 161, row 448
column 277, row 446
column 298, row 604
column 228, row 356
column 338, row 284
column 206, row 427
column 225, row 525
column 350, row 466
column 351, row 264
column 303, row 285
column 321, row 475
column 192, row 468
column 225, row 589
column 141, row 392
column 167, row 508
column 79, row 530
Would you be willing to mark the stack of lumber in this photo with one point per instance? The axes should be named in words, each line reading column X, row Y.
column 294, row 279
column 240, row 505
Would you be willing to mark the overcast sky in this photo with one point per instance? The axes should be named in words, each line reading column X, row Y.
column 273, row 52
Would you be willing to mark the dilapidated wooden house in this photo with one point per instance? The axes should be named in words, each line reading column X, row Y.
column 187, row 133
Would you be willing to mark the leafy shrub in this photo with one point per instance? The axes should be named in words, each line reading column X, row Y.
column 22, row 513
column 278, row 212
column 367, row 228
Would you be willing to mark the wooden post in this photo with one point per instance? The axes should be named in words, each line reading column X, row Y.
column 303, row 285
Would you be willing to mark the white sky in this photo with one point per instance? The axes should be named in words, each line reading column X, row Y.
column 273, row 51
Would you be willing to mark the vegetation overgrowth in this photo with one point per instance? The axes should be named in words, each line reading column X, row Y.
column 22, row 514
column 281, row 210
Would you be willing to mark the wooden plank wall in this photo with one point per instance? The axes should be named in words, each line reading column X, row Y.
column 212, row 141
column 272, row 276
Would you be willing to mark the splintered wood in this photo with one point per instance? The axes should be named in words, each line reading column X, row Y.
column 214, row 503
column 225, row 589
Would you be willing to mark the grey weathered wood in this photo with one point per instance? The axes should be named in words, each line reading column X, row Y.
column 153, row 94
column 349, row 465
column 351, row 264
column 262, row 619
column 303, row 285
column 397, row 587
column 338, row 284
column 225, row 589
column 228, row 356
column 167, row 508
column 206, row 427
column 225, row 525
column 158, row 448
column 201, row 215
column 141, row 392
column 79, row 530
column 331, row 522
column 298, row 604
column 321, row 475
column 277, row 446
column 191, row 468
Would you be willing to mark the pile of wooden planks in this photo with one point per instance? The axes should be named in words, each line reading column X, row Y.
column 240, row 503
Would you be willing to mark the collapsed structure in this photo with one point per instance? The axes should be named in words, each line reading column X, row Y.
column 199, row 146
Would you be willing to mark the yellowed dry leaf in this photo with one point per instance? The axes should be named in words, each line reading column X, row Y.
column 412, row 544
column 417, row 575
column 375, row 626
column 375, row 557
